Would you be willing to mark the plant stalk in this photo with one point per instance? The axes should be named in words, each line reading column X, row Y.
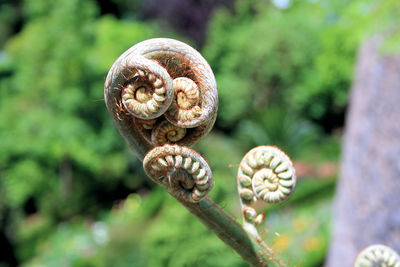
column 228, row 230
column 208, row 212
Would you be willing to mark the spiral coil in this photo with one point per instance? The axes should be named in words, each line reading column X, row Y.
column 183, row 171
column 265, row 173
column 377, row 256
column 162, row 85
column 162, row 96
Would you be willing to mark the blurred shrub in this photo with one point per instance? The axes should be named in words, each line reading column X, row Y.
column 295, row 59
column 8, row 19
column 155, row 230
column 279, row 128
column 259, row 58
column 300, row 234
column 177, row 239
column 60, row 154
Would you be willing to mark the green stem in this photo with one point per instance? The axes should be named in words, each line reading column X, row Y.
column 208, row 212
column 228, row 230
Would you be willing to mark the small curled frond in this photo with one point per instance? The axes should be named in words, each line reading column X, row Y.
column 186, row 106
column 166, row 82
column 162, row 96
column 377, row 256
column 181, row 170
column 265, row 173
column 147, row 91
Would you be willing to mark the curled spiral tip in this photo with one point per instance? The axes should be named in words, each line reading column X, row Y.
column 183, row 171
column 160, row 77
column 147, row 90
column 186, row 106
column 266, row 173
column 377, row 256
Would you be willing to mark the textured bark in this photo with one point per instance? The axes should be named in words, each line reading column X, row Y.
column 367, row 204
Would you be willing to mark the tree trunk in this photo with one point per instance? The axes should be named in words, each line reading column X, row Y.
column 367, row 203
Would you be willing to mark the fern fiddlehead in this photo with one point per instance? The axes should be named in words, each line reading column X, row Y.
column 181, row 170
column 147, row 90
column 377, row 256
column 161, row 91
column 265, row 173
column 162, row 96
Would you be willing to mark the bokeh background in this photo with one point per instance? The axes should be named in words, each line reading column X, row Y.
column 71, row 192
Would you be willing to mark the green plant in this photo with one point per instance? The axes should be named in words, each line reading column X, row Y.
column 162, row 96
column 377, row 255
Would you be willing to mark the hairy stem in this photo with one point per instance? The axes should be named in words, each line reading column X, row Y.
column 250, row 247
column 163, row 92
column 208, row 212
column 228, row 230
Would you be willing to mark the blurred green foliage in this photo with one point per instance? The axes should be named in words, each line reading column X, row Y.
column 67, row 177
column 272, row 58
column 59, row 149
column 260, row 57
